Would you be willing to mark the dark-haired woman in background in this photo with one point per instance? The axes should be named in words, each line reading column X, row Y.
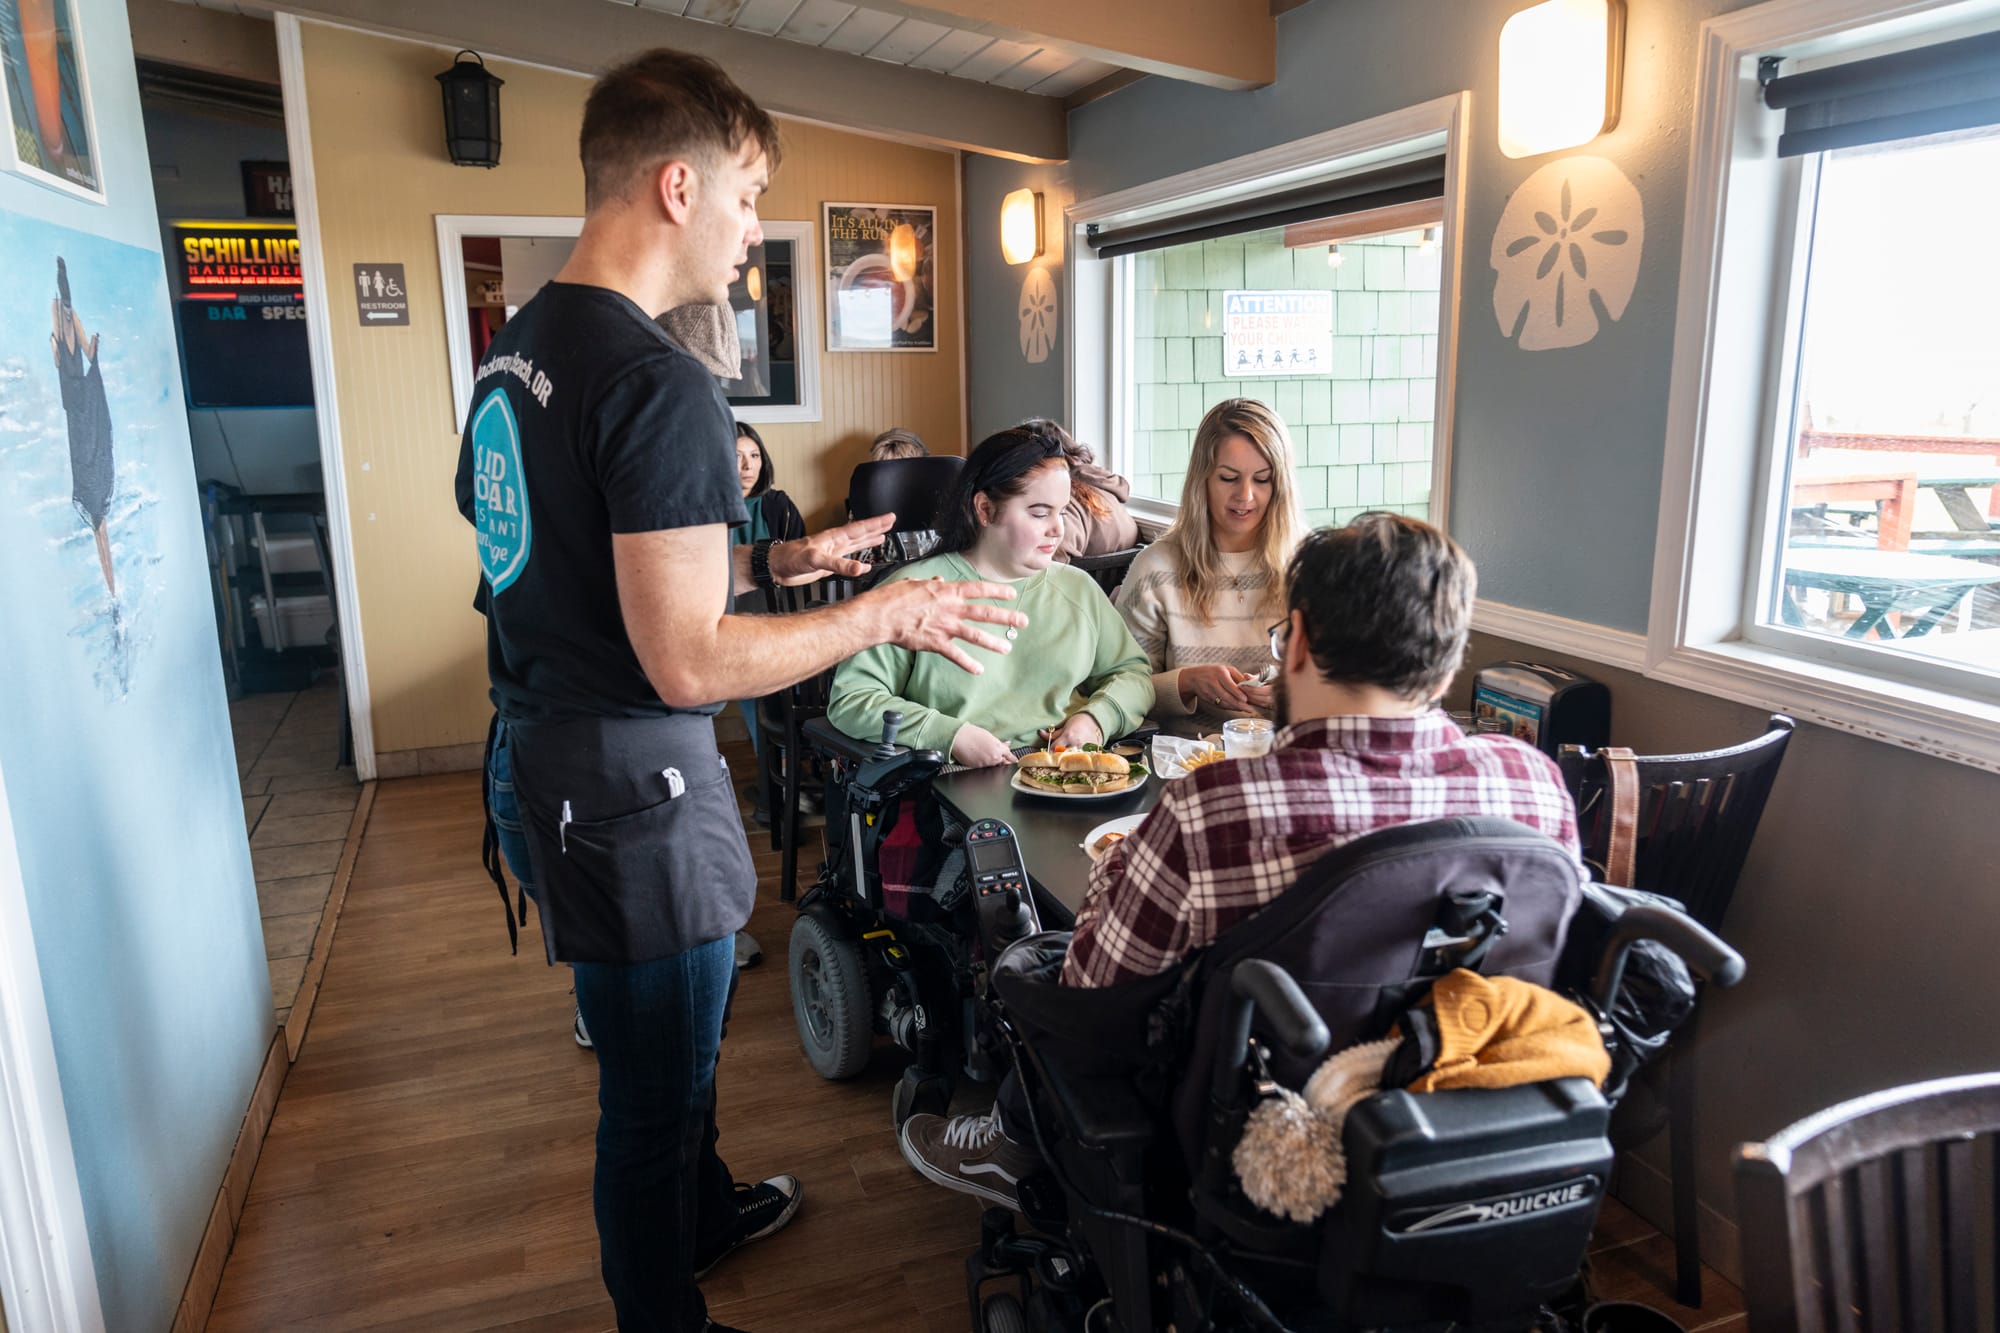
column 773, row 517
column 1075, row 671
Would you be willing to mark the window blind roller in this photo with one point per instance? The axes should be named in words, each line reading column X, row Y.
column 1404, row 183
column 1932, row 90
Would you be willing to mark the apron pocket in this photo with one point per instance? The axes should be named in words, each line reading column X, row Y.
column 645, row 885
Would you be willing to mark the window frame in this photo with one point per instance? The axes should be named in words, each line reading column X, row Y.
column 1099, row 392
column 1732, row 400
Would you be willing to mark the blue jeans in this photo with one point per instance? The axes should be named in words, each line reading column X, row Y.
column 661, row 1193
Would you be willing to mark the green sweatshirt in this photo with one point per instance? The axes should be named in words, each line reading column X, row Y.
column 1075, row 655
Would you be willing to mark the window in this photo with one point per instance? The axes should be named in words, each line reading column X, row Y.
column 1889, row 536
column 1334, row 259
column 1350, row 366
column 1826, row 542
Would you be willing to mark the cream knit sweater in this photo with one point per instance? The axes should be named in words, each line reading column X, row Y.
column 1166, row 625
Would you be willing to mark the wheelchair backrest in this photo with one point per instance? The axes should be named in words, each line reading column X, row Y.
column 1352, row 932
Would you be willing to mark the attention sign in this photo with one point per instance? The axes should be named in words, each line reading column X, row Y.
column 237, row 257
column 1267, row 334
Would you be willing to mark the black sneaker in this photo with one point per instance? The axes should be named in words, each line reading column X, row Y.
column 761, row 1210
column 581, row 1032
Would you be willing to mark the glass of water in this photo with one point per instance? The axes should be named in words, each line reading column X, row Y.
column 1247, row 737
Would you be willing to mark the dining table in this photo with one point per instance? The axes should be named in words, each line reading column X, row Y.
column 1049, row 829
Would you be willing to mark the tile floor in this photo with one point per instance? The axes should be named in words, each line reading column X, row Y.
column 298, row 800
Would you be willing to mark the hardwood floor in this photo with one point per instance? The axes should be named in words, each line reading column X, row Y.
column 428, row 1166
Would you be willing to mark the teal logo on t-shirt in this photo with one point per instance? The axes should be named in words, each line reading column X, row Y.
column 500, row 492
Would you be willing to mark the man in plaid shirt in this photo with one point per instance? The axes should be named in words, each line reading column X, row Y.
column 1378, row 616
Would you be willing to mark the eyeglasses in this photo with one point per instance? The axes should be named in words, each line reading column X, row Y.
column 1277, row 634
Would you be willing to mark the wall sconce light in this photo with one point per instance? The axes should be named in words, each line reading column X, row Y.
column 1561, row 64
column 1430, row 240
column 1021, row 226
column 1334, row 258
column 471, row 112
column 753, row 282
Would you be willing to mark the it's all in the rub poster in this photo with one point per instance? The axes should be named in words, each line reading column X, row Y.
column 881, row 278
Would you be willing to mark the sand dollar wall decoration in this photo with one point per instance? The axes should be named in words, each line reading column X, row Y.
column 1566, row 253
column 1038, row 315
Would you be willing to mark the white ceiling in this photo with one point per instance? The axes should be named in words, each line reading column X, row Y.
column 917, row 43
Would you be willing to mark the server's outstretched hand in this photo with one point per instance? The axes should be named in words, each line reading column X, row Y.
column 810, row 559
column 931, row 616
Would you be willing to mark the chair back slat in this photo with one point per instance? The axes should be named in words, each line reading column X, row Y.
column 1698, row 814
column 1881, row 1214
column 1833, row 1252
column 1956, row 1244
column 1874, row 1243
column 1916, row 1245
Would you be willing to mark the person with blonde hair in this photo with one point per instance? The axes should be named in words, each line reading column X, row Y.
column 897, row 442
column 1200, row 598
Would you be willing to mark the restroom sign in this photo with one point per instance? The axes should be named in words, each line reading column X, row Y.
column 1267, row 334
column 383, row 299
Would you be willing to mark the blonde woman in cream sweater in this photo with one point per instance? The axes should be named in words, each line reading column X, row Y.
column 1201, row 598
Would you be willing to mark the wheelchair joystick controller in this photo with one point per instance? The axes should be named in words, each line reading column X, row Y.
column 999, row 885
column 892, row 722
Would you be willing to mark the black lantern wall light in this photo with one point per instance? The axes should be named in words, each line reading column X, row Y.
column 471, row 112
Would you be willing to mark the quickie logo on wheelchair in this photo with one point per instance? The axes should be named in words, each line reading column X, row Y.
column 1501, row 1209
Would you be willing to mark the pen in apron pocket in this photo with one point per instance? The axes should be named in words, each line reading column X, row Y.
column 562, row 829
column 676, row 784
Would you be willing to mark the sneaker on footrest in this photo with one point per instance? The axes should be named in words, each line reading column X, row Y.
column 970, row 1154
column 760, row 1211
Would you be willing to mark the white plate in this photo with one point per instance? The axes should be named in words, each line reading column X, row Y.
column 1021, row 786
column 1123, row 824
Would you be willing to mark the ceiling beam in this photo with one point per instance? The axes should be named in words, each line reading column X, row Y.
column 1230, row 44
column 846, row 91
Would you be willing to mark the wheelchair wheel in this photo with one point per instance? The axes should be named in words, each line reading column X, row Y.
column 1003, row 1314
column 830, row 997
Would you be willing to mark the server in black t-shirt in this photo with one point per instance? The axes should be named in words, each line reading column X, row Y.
column 598, row 467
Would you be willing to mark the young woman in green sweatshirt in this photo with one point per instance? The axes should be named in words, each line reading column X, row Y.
column 1075, row 670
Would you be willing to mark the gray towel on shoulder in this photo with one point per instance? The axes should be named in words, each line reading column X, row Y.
column 709, row 333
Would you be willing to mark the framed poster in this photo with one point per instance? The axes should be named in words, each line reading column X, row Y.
column 51, row 136
column 881, row 278
column 777, row 323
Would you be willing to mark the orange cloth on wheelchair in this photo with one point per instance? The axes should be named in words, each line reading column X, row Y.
column 1499, row 1032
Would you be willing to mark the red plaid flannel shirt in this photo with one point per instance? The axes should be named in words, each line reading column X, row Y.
column 1229, row 838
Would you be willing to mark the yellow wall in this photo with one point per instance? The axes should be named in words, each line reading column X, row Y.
column 378, row 155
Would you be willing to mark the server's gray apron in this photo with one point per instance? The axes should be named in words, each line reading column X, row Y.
column 634, row 834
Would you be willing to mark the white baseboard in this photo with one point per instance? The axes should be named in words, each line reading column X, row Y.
column 1612, row 647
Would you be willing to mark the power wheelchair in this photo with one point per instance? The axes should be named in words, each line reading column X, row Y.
column 868, row 959
column 1467, row 1209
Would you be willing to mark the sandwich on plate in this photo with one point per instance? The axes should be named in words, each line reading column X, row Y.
column 1076, row 772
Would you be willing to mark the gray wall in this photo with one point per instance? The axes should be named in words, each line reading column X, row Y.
column 1858, row 909
column 1858, row 912
column 1003, row 388
column 1591, row 449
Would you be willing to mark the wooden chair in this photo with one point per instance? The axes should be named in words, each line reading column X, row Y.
column 781, row 727
column 1874, row 1214
column 1697, row 816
